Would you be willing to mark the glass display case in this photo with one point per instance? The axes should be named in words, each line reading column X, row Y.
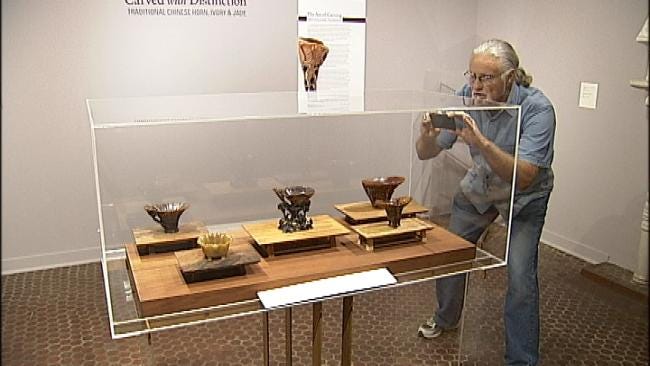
column 223, row 155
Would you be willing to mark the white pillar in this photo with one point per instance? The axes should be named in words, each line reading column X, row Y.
column 641, row 273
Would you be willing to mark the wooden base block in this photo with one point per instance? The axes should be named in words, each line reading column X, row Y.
column 195, row 267
column 372, row 244
column 357, row 213
column 271, row 250
column 352, row 221
column 147, row 249
column 214, row 274
column 269, row 240
column 155, row 240
column 374, row 235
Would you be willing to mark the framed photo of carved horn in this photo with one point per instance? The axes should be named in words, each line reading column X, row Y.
column 331, row 55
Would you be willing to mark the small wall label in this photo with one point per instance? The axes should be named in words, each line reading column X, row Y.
column 588, row 95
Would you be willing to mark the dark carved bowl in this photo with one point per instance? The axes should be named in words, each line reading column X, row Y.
column 394, row 209
column 167, row 214
column 396, row 202
column 381, row 188
column 296, row 195
column 169, row 207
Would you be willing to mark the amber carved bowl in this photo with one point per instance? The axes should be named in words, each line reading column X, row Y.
column 295, row 195
column 381, row 188
column 214, row 245
column 394, row 209
column 167, row 214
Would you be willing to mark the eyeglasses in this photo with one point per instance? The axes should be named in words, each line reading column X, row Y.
column 484, row 79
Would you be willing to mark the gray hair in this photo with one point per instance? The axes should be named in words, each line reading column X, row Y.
column 506, row 54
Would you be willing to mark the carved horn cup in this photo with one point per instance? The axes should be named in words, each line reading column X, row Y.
column 394, row 209
column 295, row 195
column 381, row 188
column 167, row 214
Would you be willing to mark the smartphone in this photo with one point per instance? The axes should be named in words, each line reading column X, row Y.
column 442, row 121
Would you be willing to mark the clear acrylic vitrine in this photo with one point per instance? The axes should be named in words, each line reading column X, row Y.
column 223, row 154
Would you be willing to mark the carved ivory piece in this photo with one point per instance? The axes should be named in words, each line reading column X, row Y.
column 312, row 53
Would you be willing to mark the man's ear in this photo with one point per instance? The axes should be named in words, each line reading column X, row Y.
column 511, row 76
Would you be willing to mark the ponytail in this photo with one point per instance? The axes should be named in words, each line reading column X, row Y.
column 521, row 78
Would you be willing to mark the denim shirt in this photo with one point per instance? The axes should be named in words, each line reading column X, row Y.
column 484, row 188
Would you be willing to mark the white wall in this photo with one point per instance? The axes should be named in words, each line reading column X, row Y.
column 55, row 54
column 601, row 155
column 418, row 44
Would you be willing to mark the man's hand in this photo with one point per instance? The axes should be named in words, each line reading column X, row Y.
column 471, row 133
column 426, row 146
column 426, row 128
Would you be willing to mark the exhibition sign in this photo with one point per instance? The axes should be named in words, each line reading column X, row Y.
column 186, row 8
column 331, row 51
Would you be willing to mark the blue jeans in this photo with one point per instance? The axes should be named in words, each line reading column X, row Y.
column 521, row 313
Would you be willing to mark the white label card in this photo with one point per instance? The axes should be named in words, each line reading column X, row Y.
column 325, row 287
column 588, row 95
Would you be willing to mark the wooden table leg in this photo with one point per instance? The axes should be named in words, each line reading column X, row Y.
column 288, row 339
column 265, row 338
column 363, row 241
column 317, row 333
column 146, row 350
column 346, row 338
column 370, row 245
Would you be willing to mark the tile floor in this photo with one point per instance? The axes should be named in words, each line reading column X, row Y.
column 58, row 317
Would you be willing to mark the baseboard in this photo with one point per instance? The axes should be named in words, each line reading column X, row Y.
column 92, row 254
column 50, row 260
column 574, row 248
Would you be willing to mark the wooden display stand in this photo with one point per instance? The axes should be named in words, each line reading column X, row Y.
column 156, row 240
column 195, row 267
column 159, row 287
column 270, row 240
column 362, row 212
column 381, row 234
